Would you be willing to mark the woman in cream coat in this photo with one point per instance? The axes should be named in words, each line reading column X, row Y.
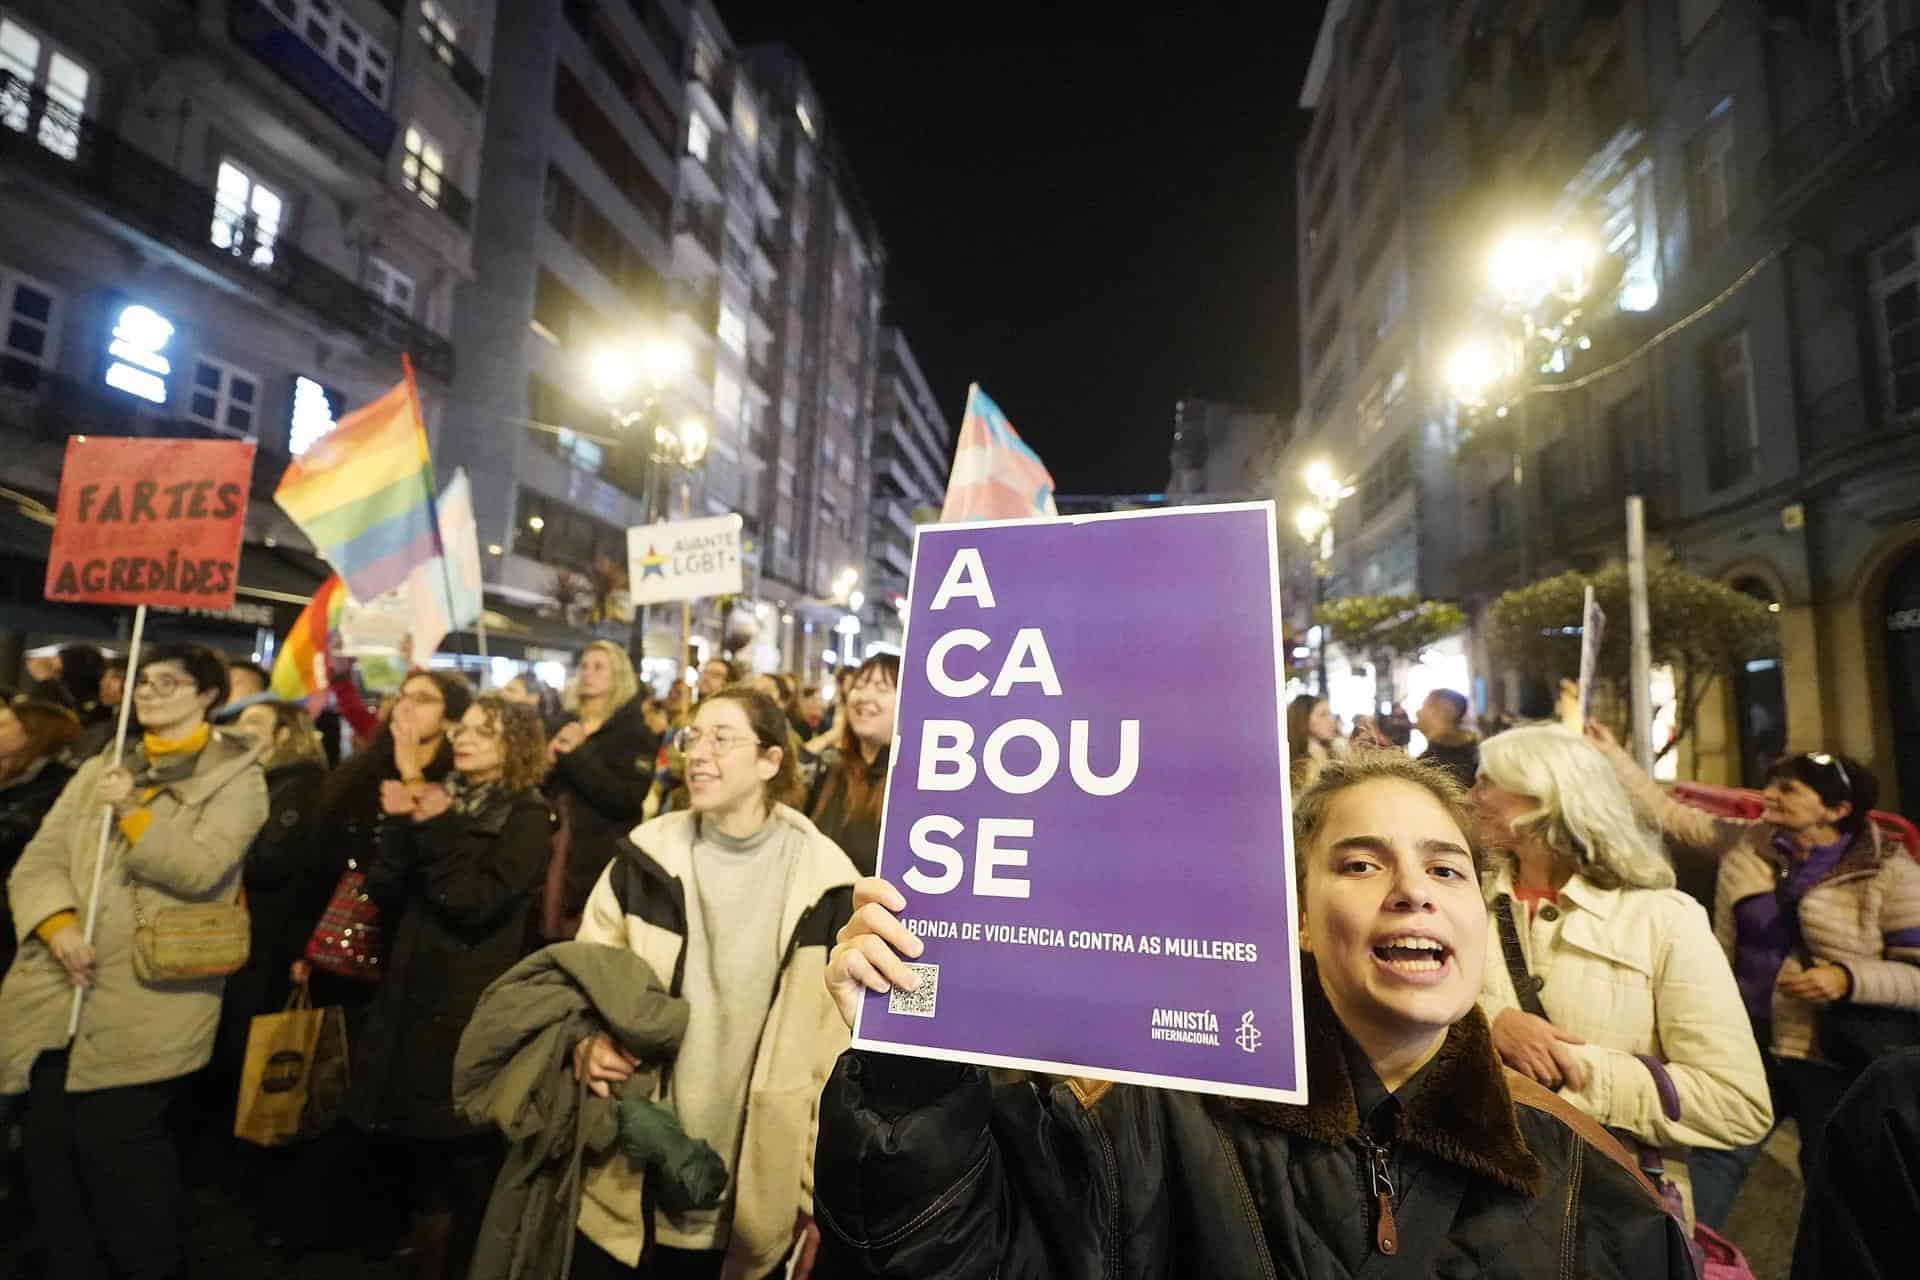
column 1644, row 1030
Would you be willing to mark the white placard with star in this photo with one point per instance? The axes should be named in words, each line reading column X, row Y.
column 685, row 560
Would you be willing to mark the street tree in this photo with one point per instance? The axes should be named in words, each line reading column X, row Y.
column 1701, row 628
column 1386, row 629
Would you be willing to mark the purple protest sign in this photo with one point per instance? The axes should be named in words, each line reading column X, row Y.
column 1088, row 806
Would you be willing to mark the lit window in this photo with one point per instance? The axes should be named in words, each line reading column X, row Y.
column 806, row 120
column 313, row 415
column 246, row 215
column 422, row 168
column 746, row 122
column 364, row 62
column 587, row 455
column 699, row 137
column 223, row 397
column 438, row 30
column 733, row 329
column 395, row 288
column 64, row 82
column 726, row 395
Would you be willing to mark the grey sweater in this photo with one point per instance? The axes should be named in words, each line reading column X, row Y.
column 736, row 890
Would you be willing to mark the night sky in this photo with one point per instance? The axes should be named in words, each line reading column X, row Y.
column 1092, row 218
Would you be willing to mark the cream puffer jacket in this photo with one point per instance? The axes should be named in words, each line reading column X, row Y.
column 1669, row 1056
column 1863, row 915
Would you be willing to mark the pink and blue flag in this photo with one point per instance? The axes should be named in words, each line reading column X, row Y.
column 995, row 475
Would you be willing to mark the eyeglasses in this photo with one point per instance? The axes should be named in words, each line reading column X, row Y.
column 160, row 684
column 721, row 740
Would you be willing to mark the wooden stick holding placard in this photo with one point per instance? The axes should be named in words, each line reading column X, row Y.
column 106, row 814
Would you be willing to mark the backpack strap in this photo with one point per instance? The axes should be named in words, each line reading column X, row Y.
column 1528, row 1092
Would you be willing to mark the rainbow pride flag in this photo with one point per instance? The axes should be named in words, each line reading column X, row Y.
column 364, row 494
column 300, row 669
column 995, row 475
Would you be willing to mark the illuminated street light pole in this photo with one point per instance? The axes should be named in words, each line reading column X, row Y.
column 1314, row 523
column 1528, row 270
column 632, row 380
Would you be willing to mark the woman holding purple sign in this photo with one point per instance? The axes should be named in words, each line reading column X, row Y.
column 1418, row 1154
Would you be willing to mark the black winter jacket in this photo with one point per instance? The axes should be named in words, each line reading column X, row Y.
column 923, row 1171
column 1864, row 1196
column 600, row 786
column 857, row 835
column 454, row 893
column 24, row 801
column 288, row 882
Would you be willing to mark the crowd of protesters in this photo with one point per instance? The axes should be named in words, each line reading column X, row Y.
column 612, row 941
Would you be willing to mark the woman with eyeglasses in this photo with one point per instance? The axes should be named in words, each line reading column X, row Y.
column 185, row 802
column 735, row 901
column 455, row 874
column 410, row 748
column 1610, row 985
column 1820, row 918
column 602, row 765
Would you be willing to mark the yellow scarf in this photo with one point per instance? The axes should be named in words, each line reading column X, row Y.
column 157, row 746
column 135, row 824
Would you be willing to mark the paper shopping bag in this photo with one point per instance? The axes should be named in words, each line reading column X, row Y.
column 274, row 1078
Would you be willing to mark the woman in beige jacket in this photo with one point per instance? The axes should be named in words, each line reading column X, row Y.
column 1852, row 934
column 187, row 801
column 1643, row 1027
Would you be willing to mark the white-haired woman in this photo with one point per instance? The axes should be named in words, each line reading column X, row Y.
column 1638, row 1021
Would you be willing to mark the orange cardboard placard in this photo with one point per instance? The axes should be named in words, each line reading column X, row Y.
column 145, row 521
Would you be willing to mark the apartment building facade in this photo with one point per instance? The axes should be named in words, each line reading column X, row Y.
column 224, row 219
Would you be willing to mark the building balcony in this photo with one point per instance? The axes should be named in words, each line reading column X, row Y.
column 760, row 371
column 696, row 241
column 1860, row 414
column 698, row 179
column 255, row 28
column 79, row 157
column 460, row 69
column 1872, row 115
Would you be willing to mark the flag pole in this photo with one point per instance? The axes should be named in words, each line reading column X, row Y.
column 106, row 813
column 433, row 514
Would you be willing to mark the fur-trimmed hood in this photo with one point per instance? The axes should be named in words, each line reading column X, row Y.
column 1463, row 1112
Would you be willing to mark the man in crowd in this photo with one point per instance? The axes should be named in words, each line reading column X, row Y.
column 1448, row 745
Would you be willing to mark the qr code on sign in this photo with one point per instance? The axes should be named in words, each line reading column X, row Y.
column 917, row 1004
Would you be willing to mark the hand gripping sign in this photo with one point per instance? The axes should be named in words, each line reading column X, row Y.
column 1088, row 810
column 145, row 522
column 150, row 522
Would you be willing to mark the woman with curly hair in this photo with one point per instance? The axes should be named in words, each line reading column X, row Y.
column 1612, row 989
column 455, row 875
